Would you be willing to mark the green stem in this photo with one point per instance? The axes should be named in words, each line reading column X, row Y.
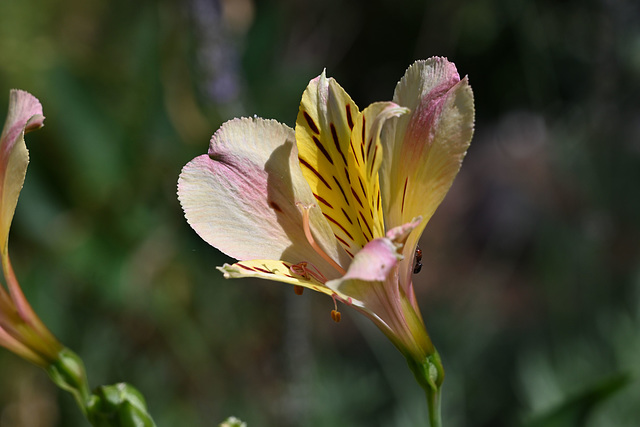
column 433, row 401
column 429, row 373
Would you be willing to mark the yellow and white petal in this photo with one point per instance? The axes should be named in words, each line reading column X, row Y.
column 244, row 197
column 423, row 151
column 340, row 153
column 279, row 271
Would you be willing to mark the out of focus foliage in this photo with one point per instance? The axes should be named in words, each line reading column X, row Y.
column 531, row 277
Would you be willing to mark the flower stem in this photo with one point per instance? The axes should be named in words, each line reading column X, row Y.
column 429, row 373
column 433, row 402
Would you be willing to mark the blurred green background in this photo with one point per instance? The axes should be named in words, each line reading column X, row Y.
column 531, row 277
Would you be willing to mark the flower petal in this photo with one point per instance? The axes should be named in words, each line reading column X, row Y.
column 371, row 285
column 24, row 115
column 374, row 263
column 12, row 344
column 423, row 151
column 274, row 270
column 340, row 154
column 241, row 197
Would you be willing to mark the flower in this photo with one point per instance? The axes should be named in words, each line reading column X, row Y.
column 338, row 205
column 21, row 331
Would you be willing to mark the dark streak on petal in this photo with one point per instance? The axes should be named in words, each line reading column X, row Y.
column 350, row 254
column 362, row 187
column 373, row 161
column 378, row 202
column 369, row 147
column 349, row 118
column 364, row 128
column 347, row 216
column 341, row 190
column 321, row 148
column 339, row 225
column 342, row 241
column 354, row 152
column 244, row 266
column 362, row 152
column 275, row 206
column 322, row 200
column 263, row 270
column 363, row 233
column 336, row 141
column 404, row 192
column 366, row 223
column 312, row 169
column 357, row 198
column 311, row 123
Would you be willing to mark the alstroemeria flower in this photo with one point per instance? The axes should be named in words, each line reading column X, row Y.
column 21, row 331
column 338, row 205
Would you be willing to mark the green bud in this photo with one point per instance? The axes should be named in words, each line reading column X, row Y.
column 67, row 372
column 232, row 422
column 118, row 405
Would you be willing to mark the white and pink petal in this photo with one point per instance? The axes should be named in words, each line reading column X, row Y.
column 371, row 279
column 244, row 197
column 24, row 115
column 423, row 150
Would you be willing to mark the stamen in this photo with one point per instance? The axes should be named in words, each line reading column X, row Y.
column 335, row 314
column 298, row 289
column 311, row 240
column 301, row 269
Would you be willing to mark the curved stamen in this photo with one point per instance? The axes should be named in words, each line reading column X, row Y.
column 301, row 269
column 311, row 240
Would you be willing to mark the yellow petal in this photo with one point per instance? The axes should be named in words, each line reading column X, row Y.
column 279, row 271
column 339, row 151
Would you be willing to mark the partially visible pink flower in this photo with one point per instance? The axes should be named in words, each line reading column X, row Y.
column 21, row 331
column 338, row 205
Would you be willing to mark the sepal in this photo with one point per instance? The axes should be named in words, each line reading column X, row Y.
column 118, row 405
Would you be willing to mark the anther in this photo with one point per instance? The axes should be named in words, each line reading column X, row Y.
column 301, row 269
column 335, row 314
column 298, row 289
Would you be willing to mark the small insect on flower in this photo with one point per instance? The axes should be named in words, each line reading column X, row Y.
column 417, row 263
